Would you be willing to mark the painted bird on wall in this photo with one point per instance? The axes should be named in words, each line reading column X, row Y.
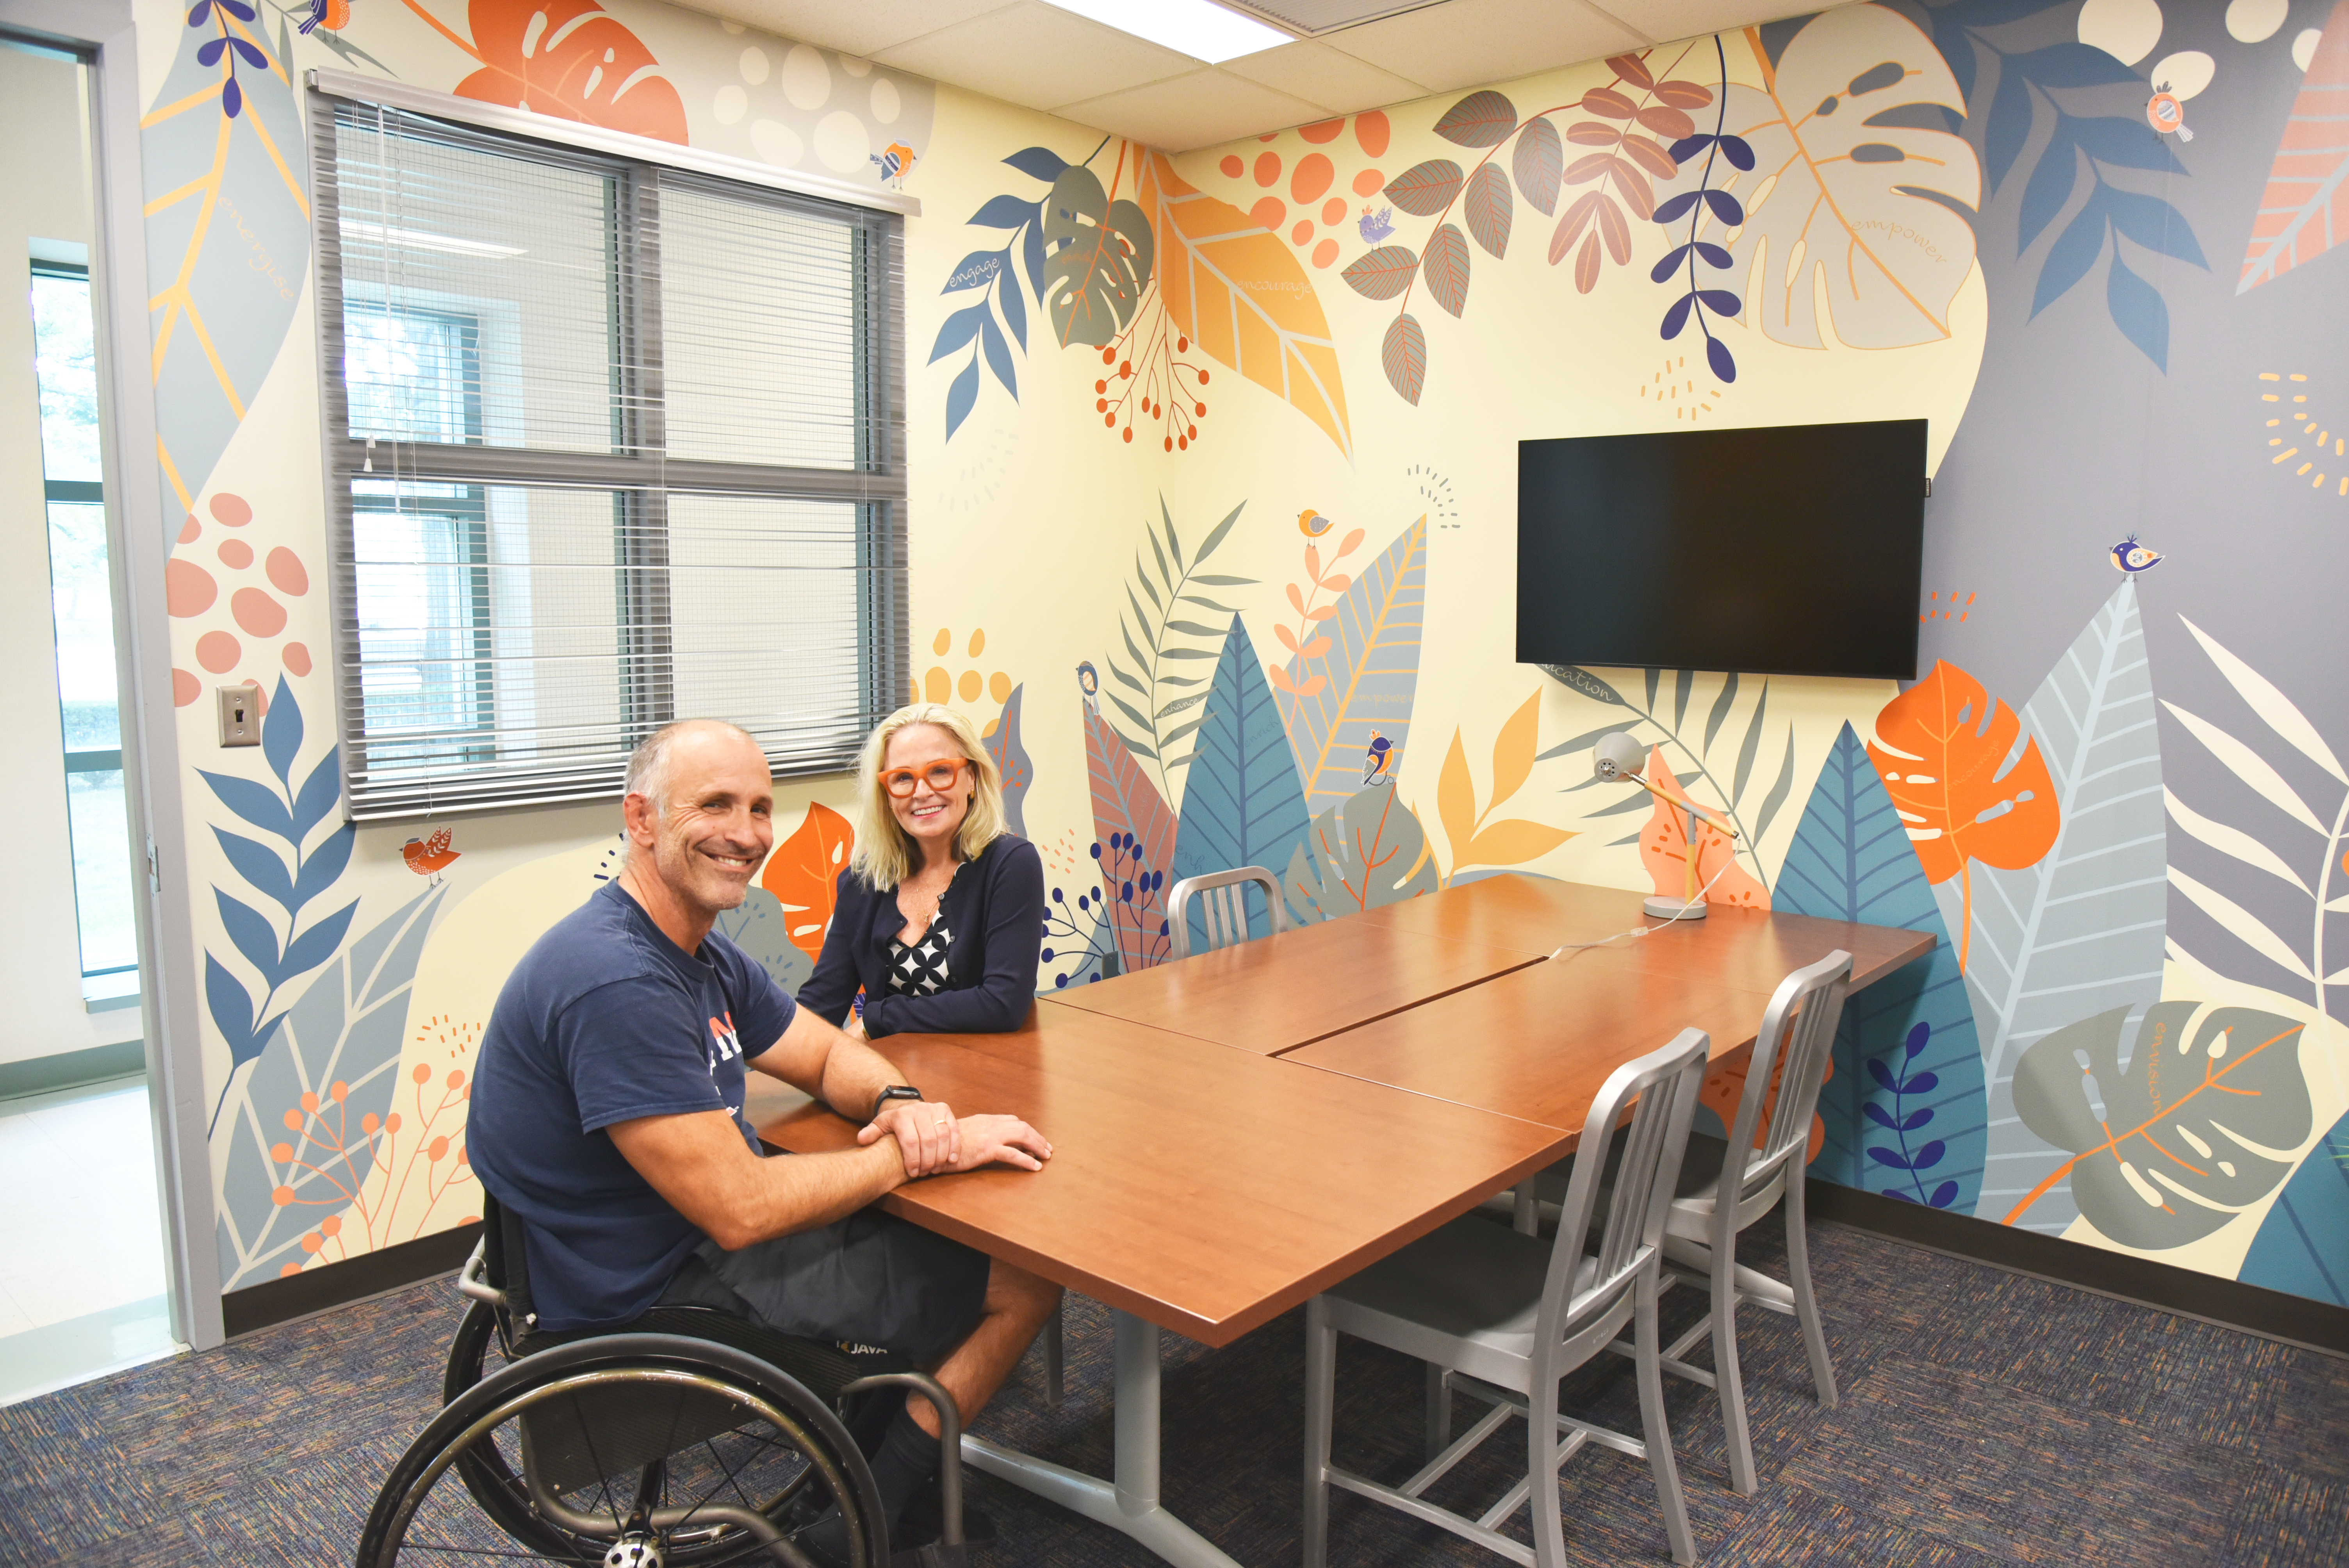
column 2130, row 557
column 1375, row 226
column 1089, row 683
column 2165, row 114
column 1312, row 524
column 430, row 857
column 896, row 160
column 1374, row 763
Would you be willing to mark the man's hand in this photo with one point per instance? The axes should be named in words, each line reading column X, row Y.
column 928, row 1137
column 988, row 1138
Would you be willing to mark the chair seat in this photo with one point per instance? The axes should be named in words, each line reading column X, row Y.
column 1472, row 1283
column 823, row 1367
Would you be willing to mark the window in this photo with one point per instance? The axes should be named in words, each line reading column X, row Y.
column 65, row 370
column 609, row 444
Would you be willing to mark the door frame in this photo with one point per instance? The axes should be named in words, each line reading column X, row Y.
column 139, row 540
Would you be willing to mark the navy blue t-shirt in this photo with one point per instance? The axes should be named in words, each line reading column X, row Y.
column 605, row 1019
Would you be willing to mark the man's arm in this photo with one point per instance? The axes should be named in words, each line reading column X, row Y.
column 848, row 1075
column 698, row 1163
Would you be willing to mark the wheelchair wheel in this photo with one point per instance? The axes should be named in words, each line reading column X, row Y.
column 628, row 1451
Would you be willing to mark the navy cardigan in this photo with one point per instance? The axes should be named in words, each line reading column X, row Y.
column 994, row 906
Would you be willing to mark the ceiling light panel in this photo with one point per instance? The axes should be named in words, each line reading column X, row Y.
column 1199, row 29
column 1315, row 18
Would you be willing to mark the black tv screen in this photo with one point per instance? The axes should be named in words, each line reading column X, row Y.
column 1787, row 549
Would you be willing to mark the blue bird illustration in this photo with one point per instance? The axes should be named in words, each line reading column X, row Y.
column 1089, row 683
column 1374, row 764
column 1375, row 227
column 2130, row 557
column 1312, row 524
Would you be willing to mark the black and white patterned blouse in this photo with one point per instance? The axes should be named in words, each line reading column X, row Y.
column 920, row 969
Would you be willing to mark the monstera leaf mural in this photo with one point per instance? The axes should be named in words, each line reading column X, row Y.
column 2169, row 1141
column 1846, row 185
column 1369, row 851
column 1097, row 258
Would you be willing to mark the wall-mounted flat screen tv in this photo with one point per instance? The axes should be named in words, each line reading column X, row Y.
column 1787, row 549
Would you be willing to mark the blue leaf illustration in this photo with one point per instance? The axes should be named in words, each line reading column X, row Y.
column 1038, row 163
column 1725, row 207
column 2009, row 123
column 2138, row 311
column 1891, row 1157
column 254, row 803
column 1852, row 861
column 1916, row 1042
column 1688, row 147
column 1676, row 315
column 317, row 945
column 1717, row 355
column 2153, row 223
column 1007, row 212
column 1944, row 1195
column 1721, row 302
column 2070, row 257
column 1669, row 264
column 254, row 937
column 209, row 52
column 962, row 396
column 975, row 271
column 1242, row 803
column 231, row 1011
column 1014, row 304
column 2070, row 66
column 281, row 733
column 958, row 330
column 323, row 864
column 1914, row 1120
column 320, row 792
column 1883, row 1075
column 1925, row 1159
column 1881, row 1117
column 1921, row 1083
column 1712, row 255
column 1032, row 256
column 1678, row 207
column 2128, row 143
column 2049, row 187
column 258, row 864
column 2299, row 1246
column 1738, row 150
column 232, row 99
column 999, row 355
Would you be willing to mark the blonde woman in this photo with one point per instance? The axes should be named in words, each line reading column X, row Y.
column 940, row 912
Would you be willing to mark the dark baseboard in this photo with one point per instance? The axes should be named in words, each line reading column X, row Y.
column 338, row 1284
column 71, row 1069
column 2275, row 1313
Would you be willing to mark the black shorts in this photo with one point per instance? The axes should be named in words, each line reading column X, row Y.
column 869, row 1279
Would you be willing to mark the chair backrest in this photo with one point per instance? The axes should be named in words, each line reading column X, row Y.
column 1223, row 907
column 1797, row 1038
column 1665, row 1083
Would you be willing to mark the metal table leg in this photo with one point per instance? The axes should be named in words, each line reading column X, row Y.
column 1131, row 1504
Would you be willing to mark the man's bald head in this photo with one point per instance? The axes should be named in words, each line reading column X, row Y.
column 649, row 765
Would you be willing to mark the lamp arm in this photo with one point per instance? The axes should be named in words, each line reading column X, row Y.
column 1724, row 829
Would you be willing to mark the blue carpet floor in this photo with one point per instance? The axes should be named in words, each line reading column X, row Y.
column 1986, row 1418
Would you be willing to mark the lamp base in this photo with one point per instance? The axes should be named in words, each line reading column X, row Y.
column 1665, row 908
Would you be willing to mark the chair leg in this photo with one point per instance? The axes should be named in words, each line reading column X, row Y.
column 1543, row 1457
column 1321, row 1394
column 1053, row 1363
column 1726, row 1379
column 1807, row 1305
column 1648, row 1359
column 1439, row 1409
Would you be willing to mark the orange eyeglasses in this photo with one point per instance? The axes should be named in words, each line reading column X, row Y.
column 940, row 777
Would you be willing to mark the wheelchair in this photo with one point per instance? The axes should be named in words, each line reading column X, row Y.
column 689, row 1438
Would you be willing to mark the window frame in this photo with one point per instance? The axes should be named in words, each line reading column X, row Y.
column 637, row 470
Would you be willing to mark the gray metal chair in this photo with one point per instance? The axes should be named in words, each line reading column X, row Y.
column 1792, row 1048
column 1223, row 907
column 1506, row 1316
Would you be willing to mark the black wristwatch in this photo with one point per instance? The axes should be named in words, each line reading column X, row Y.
column 895, row 1091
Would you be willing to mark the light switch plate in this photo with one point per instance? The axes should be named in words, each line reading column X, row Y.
column 239, row 715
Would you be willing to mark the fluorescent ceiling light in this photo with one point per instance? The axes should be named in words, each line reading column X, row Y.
column 417, row 239
column 1199, row 29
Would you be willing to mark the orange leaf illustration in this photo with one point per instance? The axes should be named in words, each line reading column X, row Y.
column 570, row 59
column 1724, row 1086
column 1663, row 846
column 1238, row 292
column 803, row 874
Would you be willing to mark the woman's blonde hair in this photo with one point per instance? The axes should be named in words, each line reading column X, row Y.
column 884, row 851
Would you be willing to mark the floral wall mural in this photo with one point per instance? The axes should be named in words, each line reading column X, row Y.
column 1235, row 431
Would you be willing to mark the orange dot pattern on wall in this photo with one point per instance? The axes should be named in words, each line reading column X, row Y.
column 297, row 658
column 2299, row 432
column 257, row 613
column 190, row 531
column 287, row 571
column 235, row 553
column 940, row 685
column 236, row 622
column 185, row 688
column 232, row 509
column 188, row 588
column 1941, row 606
column 1313, row 177
column 217, row 652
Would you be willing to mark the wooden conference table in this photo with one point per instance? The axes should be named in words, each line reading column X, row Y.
column 1235, row 1132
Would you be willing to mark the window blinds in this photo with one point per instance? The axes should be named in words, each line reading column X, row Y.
column 609, row 444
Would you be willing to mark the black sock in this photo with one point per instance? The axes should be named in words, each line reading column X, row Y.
column 908, row 1460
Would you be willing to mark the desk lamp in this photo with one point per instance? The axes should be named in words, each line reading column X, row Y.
column 1617, row 758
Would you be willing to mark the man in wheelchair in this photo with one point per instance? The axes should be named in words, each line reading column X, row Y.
column 607, row 1118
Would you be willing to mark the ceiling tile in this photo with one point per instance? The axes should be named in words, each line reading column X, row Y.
column 1038, row 56
column 1202, row 108
column 1469, row 43
column 856, row 26
column 1665, row 21
column 1319, row 73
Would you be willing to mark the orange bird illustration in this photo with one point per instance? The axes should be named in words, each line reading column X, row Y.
column 430, row 857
